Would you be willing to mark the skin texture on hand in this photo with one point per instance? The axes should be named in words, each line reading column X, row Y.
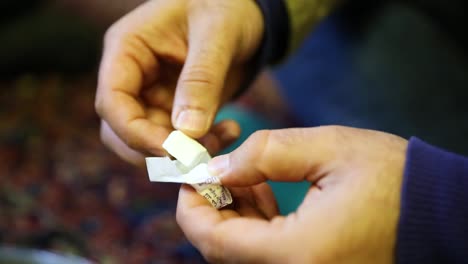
column 349, row 214
column 171, row 64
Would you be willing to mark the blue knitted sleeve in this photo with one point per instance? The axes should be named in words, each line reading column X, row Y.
column 433, row 226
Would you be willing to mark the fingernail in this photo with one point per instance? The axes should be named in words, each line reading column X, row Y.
column 230, row 135
column 219, row 165
column 192, row 120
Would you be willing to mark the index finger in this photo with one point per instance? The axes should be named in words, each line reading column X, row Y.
column 221, row 235
column 125, row 67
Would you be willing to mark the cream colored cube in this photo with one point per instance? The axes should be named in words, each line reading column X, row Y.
column 185, row 149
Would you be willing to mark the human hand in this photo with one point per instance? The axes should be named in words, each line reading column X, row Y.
column 170, row 64
column 349, row 214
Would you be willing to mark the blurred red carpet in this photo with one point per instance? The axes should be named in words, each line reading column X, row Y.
column 62, row 190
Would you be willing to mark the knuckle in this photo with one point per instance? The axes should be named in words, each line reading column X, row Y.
column 286, row 138
column 202, row 76
column 335, row 134
column 99, row 106
column 258, row 143
column 118, row 34
column 114, row 32
column 131, row 140
column 213, row 249
column 334, row 129
column 259, row 139
column 259, row 136
column 103, row 137
column 180, row 216
column 111, row 33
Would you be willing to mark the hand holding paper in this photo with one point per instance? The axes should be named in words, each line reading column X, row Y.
column 349, row 214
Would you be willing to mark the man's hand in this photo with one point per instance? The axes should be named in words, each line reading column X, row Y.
column 170, row 64
column 349, row 215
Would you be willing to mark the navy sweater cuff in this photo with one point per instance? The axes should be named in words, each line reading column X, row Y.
column 276, row 35
column 275, row 39
column 433, row 226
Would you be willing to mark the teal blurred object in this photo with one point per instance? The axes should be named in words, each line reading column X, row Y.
column 289, row 195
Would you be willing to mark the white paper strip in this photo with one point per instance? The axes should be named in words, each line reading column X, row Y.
column 166, row 170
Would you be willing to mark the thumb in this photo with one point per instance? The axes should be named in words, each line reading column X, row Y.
column 199, row 89
column 290, row 155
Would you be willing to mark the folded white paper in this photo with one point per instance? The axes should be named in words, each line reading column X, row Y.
column 167, row 170
column 190, row 168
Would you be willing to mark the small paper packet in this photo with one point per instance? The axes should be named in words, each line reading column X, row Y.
column 190, row 168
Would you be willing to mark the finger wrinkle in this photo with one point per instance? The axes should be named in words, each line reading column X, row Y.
column 139, row 77
column 151, row 66
column 263, row 140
